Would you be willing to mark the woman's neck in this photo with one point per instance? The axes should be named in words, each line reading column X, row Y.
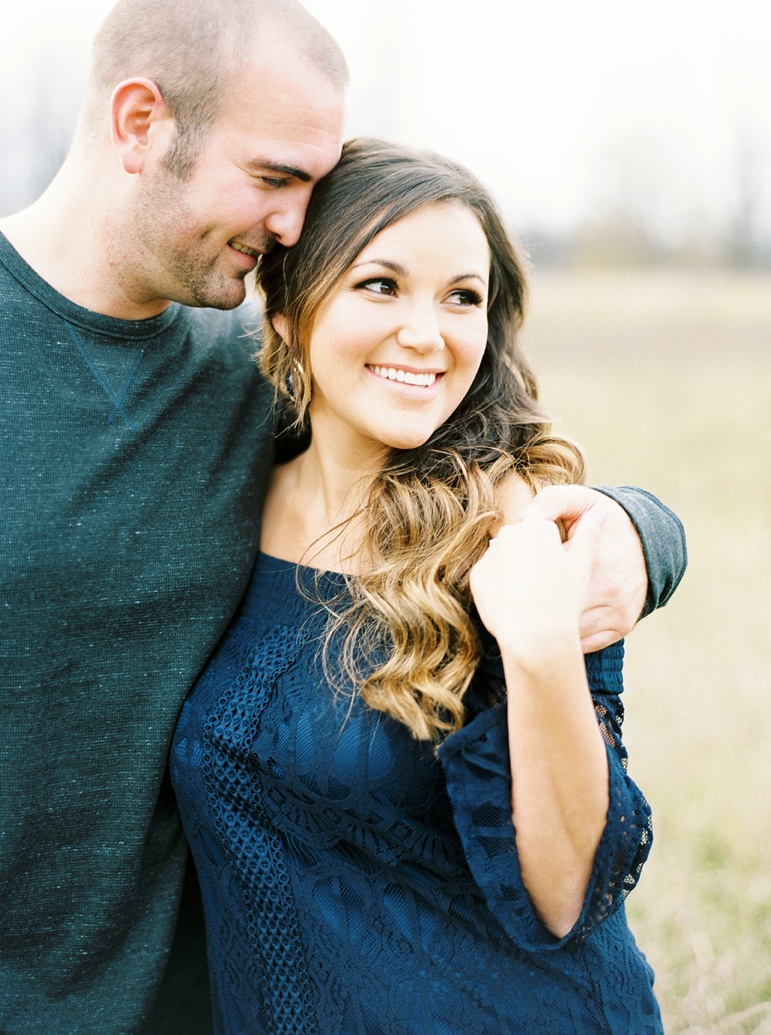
column 313, row 507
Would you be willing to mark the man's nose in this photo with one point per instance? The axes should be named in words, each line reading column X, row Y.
column 286, row 223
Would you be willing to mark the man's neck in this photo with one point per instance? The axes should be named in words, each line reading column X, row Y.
column 65, row 237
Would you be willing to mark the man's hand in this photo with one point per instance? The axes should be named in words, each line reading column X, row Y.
column 619, row 580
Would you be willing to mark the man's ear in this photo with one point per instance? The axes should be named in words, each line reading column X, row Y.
column 280, row 326
column 138, row 118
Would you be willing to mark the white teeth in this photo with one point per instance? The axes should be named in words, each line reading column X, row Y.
column 244, row 250
column 392, row 374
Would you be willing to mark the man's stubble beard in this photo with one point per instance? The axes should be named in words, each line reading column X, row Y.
column 185, row 272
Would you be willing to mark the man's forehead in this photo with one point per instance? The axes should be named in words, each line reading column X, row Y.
column 284, row 120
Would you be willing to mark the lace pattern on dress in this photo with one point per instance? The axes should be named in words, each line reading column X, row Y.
column 256, row 851
column 475, row 761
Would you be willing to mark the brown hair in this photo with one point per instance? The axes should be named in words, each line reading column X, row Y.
column 429, row 512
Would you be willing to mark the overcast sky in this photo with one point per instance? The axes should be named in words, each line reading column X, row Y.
column 558, row 105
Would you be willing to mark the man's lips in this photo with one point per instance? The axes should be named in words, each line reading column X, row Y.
column 246, row 250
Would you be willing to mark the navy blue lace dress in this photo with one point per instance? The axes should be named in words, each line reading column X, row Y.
column 358, row 882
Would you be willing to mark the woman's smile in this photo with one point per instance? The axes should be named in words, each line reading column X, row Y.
column 421, row 379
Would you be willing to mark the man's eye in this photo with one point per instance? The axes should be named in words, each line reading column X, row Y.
column 270, row 181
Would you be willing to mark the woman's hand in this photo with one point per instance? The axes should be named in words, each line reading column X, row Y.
column 530, row 587
column 619, row 577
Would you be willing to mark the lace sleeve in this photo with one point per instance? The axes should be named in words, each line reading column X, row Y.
column 476, row 766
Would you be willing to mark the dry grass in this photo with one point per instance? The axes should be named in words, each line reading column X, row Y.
column 666, row 380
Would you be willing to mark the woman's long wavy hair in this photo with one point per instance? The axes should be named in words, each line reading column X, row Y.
column 429, row 513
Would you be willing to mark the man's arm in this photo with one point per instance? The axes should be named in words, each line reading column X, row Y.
column 663, row 541
column 640, row 559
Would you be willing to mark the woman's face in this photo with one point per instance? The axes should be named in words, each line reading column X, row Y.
column 396, row 345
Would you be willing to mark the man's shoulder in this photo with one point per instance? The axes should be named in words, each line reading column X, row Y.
column 225, row 344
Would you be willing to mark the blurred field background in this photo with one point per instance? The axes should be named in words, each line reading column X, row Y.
column 665, row 379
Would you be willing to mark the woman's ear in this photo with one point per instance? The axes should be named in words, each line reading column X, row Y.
column 280, row 326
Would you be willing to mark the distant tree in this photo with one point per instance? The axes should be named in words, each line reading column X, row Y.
column 745, row 246
column 651, row 213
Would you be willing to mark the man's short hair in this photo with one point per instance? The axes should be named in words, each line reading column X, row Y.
column 188, row 48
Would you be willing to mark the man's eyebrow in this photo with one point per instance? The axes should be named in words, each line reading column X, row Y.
column 258, row 166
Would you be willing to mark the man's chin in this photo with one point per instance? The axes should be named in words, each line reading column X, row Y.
column 228, row 296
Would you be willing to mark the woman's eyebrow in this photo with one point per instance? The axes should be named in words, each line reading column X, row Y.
column 396, row 267
column 388, row 263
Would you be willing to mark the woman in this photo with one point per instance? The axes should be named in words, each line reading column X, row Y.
column 404, row 686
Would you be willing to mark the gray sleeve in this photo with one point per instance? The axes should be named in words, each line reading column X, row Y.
column 663, row 540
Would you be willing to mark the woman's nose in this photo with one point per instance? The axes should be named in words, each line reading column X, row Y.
column 420, row 330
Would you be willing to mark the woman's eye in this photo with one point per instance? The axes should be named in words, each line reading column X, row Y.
column 378, row 286
column 466, row 296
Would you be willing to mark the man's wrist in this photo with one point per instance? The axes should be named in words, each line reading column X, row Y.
column 662, row 537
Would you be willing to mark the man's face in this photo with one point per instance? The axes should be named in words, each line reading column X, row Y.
column 279, row 131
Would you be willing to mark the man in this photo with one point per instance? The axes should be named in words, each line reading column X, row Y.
column 134, row 451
